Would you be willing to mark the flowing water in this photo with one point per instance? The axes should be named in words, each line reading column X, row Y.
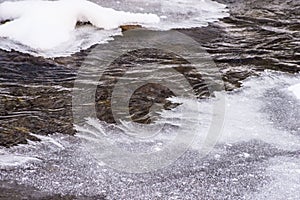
column 255, row 56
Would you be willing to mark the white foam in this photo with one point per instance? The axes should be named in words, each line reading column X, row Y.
column 296, row 90
column 47, row 28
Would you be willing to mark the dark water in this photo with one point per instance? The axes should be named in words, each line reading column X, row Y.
column 35, row 97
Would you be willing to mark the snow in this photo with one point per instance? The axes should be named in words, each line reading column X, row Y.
column 296, row 90
column 47, row 28
column 46, row 24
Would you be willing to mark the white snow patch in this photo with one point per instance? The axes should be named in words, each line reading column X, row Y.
column 44, row 25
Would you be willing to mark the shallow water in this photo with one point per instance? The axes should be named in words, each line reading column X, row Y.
column 257, row 155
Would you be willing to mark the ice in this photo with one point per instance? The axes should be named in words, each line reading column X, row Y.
column 285, row 183
column 175, row 13
column 253, row 112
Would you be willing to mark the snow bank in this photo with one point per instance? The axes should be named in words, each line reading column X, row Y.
column 46, row 24
column 47, row 28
